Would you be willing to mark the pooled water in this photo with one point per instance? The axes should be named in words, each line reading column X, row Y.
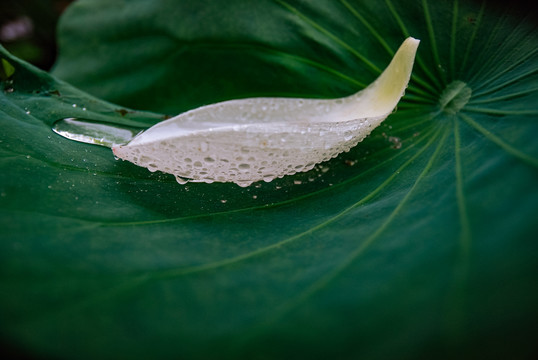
column 94, row 132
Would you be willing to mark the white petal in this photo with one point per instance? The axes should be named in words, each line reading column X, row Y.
column 248, row 140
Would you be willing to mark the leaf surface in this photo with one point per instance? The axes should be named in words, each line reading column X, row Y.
column 419, row 242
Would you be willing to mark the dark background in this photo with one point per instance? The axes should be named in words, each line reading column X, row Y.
column 28, row 29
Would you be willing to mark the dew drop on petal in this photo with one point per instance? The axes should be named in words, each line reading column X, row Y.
column 249, row 140
column 181, row 180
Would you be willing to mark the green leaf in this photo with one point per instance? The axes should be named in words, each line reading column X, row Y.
column 419, row 242
column 7, row 69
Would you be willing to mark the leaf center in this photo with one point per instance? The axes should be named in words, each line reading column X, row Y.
column 454, row 97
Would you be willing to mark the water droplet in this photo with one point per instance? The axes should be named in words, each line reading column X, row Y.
column 152, row 167
column 297, row 182
column 224, row 201
column 181, row 180
column 396, row 142
column 243, row 183
column 94, row 132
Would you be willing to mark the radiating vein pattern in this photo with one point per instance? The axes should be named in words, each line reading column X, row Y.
column 500, row 142
column 363, row 58
column 427, row 225
column 324, row 281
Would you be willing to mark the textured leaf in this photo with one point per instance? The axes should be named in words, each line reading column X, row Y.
column 419, row 242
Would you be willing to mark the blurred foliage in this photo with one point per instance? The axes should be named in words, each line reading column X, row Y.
column 28, row 29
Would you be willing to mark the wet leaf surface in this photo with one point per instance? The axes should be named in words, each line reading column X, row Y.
column 419, row 242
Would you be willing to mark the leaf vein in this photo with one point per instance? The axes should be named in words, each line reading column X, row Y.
column 327, row 33
column 503, row 97
column 501, row 143
column 473, row 36
column 324, row 281
column 431, row 33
